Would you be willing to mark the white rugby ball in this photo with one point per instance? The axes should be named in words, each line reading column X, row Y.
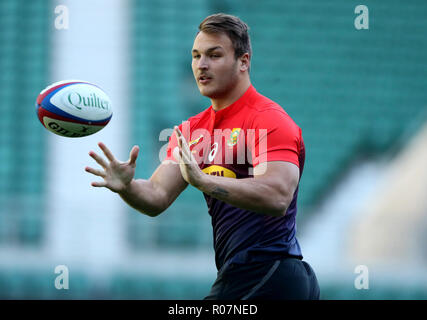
column 73, row 108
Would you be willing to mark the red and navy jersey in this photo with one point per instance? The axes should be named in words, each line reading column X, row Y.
column 230, row 143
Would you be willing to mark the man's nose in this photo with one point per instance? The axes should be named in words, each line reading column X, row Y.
column 203, row 63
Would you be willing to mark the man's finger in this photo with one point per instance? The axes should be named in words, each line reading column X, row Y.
column 106, row 151
column 176, row 154
column 133, row 155
column 98, row 159
column 179, row 136
column 186, row 149
column 96, row 172
column 99, row 184
column 186, row 158
column 185, row 146
column 178, row 131
column 178, row 139
column 182, row 148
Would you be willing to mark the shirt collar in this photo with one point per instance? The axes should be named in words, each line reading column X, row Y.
column 232, row 108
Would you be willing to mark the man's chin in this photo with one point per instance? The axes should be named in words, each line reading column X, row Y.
column 207, row 92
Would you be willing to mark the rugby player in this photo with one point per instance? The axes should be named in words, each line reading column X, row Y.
column 246, row 155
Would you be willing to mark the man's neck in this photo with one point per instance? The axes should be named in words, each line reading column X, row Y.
column 233, row 96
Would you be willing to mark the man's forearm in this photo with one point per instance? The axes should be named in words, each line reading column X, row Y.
column 142, row 196
column 247, row 194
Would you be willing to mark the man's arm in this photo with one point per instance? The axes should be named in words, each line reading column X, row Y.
column 269, row 192
column 150, row 197
column 155, row 195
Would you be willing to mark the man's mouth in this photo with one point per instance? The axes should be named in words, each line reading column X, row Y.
column 204, row 79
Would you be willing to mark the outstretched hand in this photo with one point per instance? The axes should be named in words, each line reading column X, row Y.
column 190, row 170
column 117, row 175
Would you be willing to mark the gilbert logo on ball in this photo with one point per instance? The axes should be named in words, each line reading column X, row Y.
column 73, row 108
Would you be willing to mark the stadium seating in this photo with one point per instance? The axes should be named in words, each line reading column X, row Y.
column 353, row 93
column 24, row 39
column 162, row 40
column 143, row 286
column 38, row 284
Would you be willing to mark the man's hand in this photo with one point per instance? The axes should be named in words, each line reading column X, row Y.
column 188, row 165
column 117, row 175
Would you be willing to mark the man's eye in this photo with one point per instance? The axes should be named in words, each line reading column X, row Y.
column 196, row 56
column 215, row 56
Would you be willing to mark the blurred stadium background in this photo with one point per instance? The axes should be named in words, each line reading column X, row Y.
column 360, row 97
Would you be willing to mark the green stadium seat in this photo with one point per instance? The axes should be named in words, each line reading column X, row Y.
column 25, row 40
column 349, row 91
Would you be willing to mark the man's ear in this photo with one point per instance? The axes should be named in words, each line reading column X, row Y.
column 245, row 62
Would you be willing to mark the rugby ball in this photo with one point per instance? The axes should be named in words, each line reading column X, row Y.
column 73, row 108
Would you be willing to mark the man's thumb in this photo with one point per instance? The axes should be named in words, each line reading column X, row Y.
column 133, row 155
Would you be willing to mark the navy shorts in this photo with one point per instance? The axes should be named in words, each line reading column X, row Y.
column 284, row 279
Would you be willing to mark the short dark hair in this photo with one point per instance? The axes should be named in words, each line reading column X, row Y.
column 233, row 27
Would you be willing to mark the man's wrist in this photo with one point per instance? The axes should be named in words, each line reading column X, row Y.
column 202, row 181
column 127, row 188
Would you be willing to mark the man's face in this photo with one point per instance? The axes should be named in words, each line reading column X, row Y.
column 214, row 66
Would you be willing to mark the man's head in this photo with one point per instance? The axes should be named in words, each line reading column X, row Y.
column 221, row 55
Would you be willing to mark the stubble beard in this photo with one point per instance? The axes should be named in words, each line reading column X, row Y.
column 218, row 92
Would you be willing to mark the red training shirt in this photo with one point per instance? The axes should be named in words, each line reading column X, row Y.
column 230, row 143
